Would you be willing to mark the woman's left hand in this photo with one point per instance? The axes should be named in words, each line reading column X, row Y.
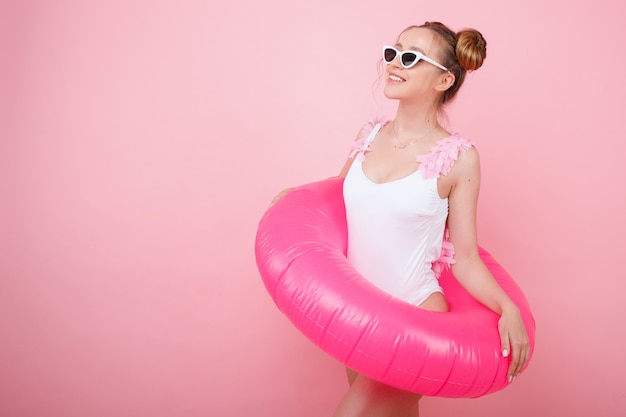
column 514, row 341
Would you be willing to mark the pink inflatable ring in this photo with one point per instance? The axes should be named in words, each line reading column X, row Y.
column 300, row 252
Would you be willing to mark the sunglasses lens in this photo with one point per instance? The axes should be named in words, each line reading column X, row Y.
column 408, row 59
column 389, row 54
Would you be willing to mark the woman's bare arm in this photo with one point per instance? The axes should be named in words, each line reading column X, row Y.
column 469, row 268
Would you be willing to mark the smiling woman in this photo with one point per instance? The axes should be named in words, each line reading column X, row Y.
column 411, row 192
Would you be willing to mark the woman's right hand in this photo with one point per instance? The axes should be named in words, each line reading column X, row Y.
column 280, row 195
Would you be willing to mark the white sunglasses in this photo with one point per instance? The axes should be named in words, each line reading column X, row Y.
column 407, row 58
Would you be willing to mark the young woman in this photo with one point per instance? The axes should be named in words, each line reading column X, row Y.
column 411, row 192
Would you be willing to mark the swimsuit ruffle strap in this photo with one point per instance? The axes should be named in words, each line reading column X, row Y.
column 364, row 140
column 441, row 158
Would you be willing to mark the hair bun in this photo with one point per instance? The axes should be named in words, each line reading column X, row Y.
column 471, row 49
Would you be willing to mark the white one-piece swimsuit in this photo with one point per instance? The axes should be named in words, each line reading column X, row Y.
column 396, row 229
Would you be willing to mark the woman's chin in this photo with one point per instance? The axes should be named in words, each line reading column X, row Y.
column 391, row 95
column 392, row 91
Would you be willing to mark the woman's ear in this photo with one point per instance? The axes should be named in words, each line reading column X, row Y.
column 446, row 80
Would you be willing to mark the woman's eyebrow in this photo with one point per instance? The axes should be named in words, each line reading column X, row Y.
column 412, row 48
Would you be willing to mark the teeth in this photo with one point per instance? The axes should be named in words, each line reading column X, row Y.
column 394, row 78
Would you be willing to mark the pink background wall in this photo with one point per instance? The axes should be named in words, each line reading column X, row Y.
column 141, row 141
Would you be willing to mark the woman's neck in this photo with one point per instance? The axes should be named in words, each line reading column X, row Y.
column 414, row 119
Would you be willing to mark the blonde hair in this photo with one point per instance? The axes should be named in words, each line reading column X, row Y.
column 459, row 52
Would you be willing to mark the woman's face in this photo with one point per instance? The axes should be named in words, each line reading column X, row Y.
column 418, row 82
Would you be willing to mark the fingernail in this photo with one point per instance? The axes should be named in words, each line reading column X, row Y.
column 510, row 378
column 505, row 352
